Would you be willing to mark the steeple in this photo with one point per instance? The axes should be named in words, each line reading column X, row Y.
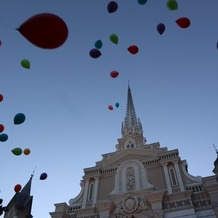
column 21, row 203
column 215, row 170
column 131, row 123
column 131, row 129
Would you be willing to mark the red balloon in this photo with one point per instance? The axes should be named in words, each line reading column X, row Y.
column 183, row 22
column 110, row 107
column 114, row 74
column 2, row 128
column 45, row 30
column 1, row 97
column 133, row 49
column 17, row 188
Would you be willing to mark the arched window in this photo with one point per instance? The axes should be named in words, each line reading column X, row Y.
column 173, row 176
column 90, row 191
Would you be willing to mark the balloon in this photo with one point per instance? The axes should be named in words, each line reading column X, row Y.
column 45, row 30
column 114, row 38
column 161, row 28
column 94, row 53
column 25, row 63
column 2, row 127
column 3, row 137
column 183, row 22
column 133, row 49
column 217, row 45
column 19, row 118
column 17, row 188
column 114, row 74
column 43, row 176
column 98, row 44
column 1, row 97
column 26, row 151
column 172, row 5
column 117, row 104
column 112, row 7
column 110, row 107
column 17, row 151
column 0, row 42
column 142, row 2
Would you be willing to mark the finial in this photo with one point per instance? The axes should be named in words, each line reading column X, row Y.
column 33, row 172
column 215, row 149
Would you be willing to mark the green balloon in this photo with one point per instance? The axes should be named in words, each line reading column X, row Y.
column 98, row 44
column 19, row 118
column 25, row 63
column 17, row 151
column 114, row 38
column 3, row 137
column 172, row 4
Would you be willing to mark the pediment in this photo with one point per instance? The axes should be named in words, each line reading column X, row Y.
column 133, row 153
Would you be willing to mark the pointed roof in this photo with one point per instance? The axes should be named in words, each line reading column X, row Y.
column 131, row 123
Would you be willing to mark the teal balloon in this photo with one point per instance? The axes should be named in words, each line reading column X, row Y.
column 17, row 151
column 19, row 118
column 3, row 137
column 114, row 38
column 98, row 44
column 117, row 104
column 142, row 2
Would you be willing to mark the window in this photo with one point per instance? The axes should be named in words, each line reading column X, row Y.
column 173, row 177
column 90, row 191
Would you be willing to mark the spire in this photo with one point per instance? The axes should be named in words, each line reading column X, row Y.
column 131, row 123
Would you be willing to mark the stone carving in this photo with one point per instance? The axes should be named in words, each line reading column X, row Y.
column 130, row 205
column 130, row 179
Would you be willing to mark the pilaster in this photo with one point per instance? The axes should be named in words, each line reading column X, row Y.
column 181, row 185
column 166, row 173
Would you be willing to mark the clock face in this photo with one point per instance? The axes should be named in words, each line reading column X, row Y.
column 130, row 143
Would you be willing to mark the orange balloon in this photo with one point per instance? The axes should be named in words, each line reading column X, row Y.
column 26, row 151
column 1, row 97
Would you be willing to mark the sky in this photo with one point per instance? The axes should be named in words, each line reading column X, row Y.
column 65, row 94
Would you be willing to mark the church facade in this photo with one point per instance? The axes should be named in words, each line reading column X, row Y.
column 141, row 180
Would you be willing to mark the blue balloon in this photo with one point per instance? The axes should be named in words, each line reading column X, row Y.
column 3, row 137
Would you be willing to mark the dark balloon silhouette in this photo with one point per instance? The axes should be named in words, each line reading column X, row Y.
column 19, row 118
column 112, row 7
column 161, row 28
column 45, row 30
column 43, row 176
column 17, row 188
column 94, row 53
column 3, row 137
column 114, row 74
column 133, row 49
column 183, row 22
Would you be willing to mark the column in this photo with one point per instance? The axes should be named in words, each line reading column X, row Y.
column 181, row 185
column 166, row 173
column 85, row 193
column 95, row 191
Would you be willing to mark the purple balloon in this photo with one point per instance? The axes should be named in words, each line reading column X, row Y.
column 161, row 28
column 94, row 53
column 112, row 7
column 43, row 176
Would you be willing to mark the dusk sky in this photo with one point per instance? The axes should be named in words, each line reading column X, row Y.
column 65, row 94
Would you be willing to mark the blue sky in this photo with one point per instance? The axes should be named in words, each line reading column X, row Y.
column 65, row 93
